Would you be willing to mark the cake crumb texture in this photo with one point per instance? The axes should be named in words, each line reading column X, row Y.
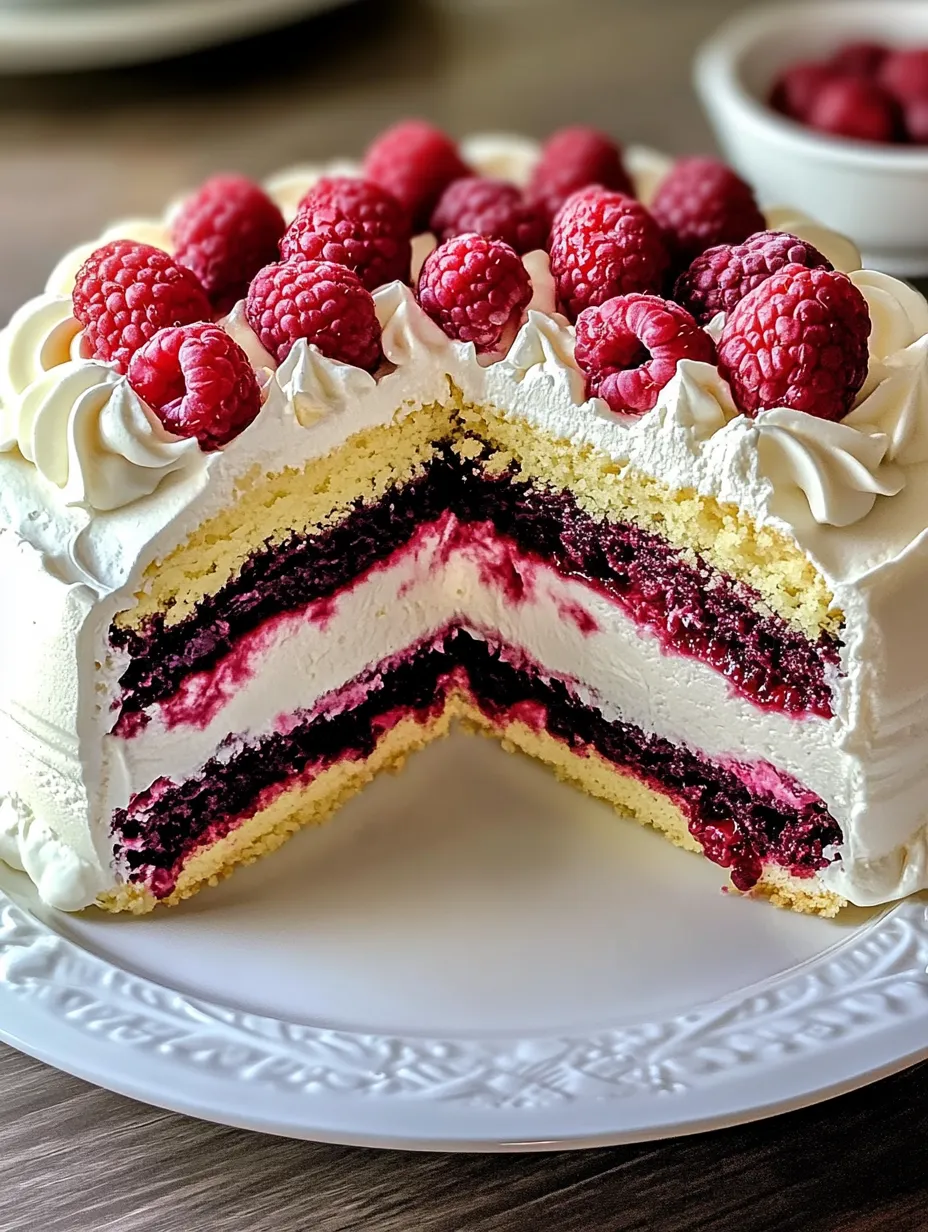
column 638, row 801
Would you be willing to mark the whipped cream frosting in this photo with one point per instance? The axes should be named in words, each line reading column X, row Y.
column 114, row 492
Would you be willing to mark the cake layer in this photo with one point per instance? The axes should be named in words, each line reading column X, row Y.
column 300, row 803
column 694, row 609
column 740, row 827
column 641, row 800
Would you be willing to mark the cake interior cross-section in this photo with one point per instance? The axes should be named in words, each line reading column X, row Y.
column 568, row 445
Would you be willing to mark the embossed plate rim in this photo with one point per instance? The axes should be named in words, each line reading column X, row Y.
column 855, row 1014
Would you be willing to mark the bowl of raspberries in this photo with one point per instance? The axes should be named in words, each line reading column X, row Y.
column 825, row 104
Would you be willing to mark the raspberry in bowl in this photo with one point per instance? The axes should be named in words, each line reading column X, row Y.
column 825, row 104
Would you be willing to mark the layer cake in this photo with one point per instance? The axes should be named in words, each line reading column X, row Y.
column 704, row 611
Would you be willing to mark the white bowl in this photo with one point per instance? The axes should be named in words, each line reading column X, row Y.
column 876, row 194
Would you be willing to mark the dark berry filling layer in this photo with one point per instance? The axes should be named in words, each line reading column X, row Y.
column 693, row 608
column 737, row 828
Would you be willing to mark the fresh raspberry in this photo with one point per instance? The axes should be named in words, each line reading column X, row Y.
column 225, row 233
column 475, row 289
column 198, row 381
column 722, row 276
column 575, row 158
column 604, row 244
column 629, row 348
column 416, row 163
column 355, row 223
column 799, row 340
column 915, row 121
column 861, row 59
column 798, row 86
column 702, row 203
column 325, row 303
column 125, row 292
column 855, row 107
column 905, row 74
column 492, row 208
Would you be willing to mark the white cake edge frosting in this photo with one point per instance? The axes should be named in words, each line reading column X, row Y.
column 853, row 498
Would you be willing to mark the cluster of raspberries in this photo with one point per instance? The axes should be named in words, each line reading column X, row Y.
column 866, row 91
column 640, row 283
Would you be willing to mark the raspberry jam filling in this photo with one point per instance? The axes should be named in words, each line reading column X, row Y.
column 694, row 609
column 741, row 827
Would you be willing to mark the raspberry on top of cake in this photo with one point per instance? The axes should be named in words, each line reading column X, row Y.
column 570, row 443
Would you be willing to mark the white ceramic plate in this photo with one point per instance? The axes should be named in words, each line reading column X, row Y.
column 472, row 956
column 89, row 34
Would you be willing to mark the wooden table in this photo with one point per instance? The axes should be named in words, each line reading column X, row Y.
column 75, row 153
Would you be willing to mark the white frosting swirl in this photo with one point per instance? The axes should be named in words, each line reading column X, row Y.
column 42, row 334
column 154, row 231
column 501, row 156
column 898, row 313
column 422, row 246
column 88, row 433
column 316, row 386
column 544, row 294
column 405, row 329
column 839, row 469
column 716, row 327
column 62, row 878
column 898, row 405
column 697, row 398
column 544, row 351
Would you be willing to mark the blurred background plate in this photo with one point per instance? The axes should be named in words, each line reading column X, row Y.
column 52, row 35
